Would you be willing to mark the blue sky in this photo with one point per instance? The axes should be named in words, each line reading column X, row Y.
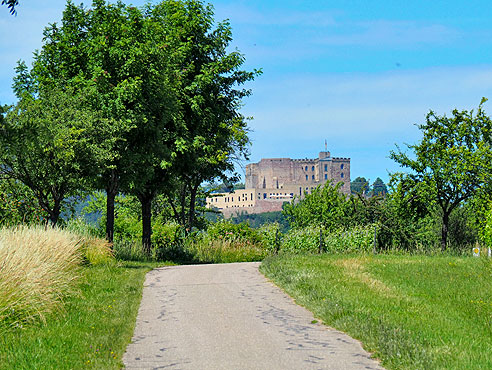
column 357, row 73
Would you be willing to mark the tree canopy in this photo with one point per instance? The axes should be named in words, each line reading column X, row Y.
column 11, row 4
column 164, row 89
column 453, row 160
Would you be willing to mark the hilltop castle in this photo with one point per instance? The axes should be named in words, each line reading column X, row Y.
column 273, row 181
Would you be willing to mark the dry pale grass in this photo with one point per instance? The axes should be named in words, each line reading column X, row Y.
column 97, row 251
column 355, row 269
column 38, row 267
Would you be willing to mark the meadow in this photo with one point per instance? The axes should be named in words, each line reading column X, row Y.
column 410, row 311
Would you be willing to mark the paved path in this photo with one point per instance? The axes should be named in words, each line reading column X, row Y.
column 228, row 316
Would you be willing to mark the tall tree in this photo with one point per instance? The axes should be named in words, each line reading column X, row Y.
column 121, row 53
column 359, row 186
column 214, row 133
column 47, row 144
column 454, row 159
column 379, row 188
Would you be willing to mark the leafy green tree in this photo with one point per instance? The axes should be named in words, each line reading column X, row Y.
column 325, row 206
column 122, row 53
column 454, row 159
column 378, row 188
column 47, row 145
column 18, row 204
column 359, row 186
column 214, row 133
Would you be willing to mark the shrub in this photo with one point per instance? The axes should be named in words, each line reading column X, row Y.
column 167, row 242
column 301, row 240
column 354, row 240
column 270, row 236
column 206, row 248
column 307, row 240
column 38, row 268
column 225, row 229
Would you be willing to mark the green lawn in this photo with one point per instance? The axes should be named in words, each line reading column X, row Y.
column 412, row 312
column 93, row 332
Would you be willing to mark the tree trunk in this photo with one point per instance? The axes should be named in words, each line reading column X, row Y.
column 146, row 202
column 191, row 214
column 444, row 230
column 183, row 204
column 110, row 197
column 111, row 191
column 54, row 214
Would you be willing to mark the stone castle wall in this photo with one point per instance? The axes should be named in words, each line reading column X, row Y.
column 273, row 181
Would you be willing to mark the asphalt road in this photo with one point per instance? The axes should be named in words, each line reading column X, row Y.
column 228, row 316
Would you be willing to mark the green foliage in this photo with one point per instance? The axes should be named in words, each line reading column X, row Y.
column 271, row 236
column 486, row 231
column 325, row 206
column 18, row 204
column 127, row 226
column 11, row 4
column 225, row 229
column 357, row 239
column 453, row 159
column 205, row 248
column 302, row 240
column 359, row 186
column 379, row 188
column 167, row 242
column 48, row 146
column 257, row 220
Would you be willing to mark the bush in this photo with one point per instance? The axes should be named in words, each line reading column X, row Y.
column 167, row 242
column 302, row 240
column 225, row 229
column 307, row 240
column 270, row 236
column 205, row 248
column 38, row 268
column 354, row 240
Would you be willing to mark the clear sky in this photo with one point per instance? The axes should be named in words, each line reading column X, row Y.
column 358, row 73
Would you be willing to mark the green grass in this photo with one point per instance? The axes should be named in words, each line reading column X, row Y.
column 412, row 312
column 94, row 330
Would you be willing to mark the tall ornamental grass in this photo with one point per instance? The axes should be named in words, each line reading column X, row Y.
column 38, row 268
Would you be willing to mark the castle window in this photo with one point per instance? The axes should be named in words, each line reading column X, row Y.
column 312, row 177
column 341, row 166
column 251, row 196
column 312, row 168
column 326, row 167
column 341, row 175
column 300, row 191
column 326, row 176
column 264, row 195
column 306, row 168
column 306, row 177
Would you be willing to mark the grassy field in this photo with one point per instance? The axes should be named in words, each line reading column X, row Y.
column 412, row 312
column 93, row 329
